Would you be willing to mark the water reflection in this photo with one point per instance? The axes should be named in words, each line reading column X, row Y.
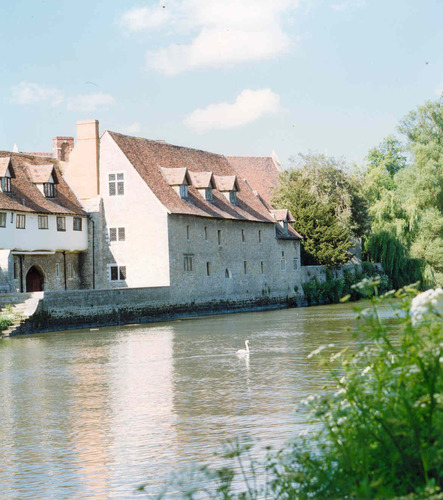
column 93, row 414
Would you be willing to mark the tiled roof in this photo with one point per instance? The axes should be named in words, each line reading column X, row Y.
column 148, row 157
column 226, row 182
column 260, row 172
column 4, row 164
column 202, row 179
column 283, row 214
column 41, row 173
column 290, row 235
column 175, row 176
column 25, row 195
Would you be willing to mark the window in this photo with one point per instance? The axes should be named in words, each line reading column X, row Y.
column 70, row 274
column 49, row 189
column 187, row 232
column 117, row 273
column 219, row 236
column 228, row 274
column 233, row 197
column 43, row 222
column 243, row 235
column 283, row 264
column 6, row 184
column 208, row 268
column 2, row 219
column 20, row 221
column 259, row 236
column 262, row 267
column 57, row 270
column 117, row 234
column 183, row 191
column 295, row 263
column 77, row 224
column 206, row 233
column 245, row 267
column 61, row 223
column 15, row 270
column 116, row 184
column 208, row 194
column 187, row 263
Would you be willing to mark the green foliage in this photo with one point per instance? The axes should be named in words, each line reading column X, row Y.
column 327, row 205
column 401, row 269
column 407, row 200
column 377, row 435
column 7, row 317
column 332, row 289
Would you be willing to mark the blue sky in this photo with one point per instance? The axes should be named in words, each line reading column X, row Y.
column 238, row 77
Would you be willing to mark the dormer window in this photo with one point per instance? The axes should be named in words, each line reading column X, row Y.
column 183, row 191
column 228, row 186
column 6, row 173
column 49, row 189
column 208, row 194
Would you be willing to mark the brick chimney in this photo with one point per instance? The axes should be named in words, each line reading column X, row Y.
column 62, row 147
column 81, row 172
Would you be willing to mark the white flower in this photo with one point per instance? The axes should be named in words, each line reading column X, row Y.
column 426, row 306
column 365, row 371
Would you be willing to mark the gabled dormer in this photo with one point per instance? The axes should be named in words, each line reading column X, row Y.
column 204, row 183
column 178, row 179
column 228, row 186
column 45, row 179
column 6, row 174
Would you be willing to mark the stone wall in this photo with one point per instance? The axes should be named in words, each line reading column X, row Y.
column 92, row 308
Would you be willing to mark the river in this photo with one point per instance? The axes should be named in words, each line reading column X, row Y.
column 95, row 413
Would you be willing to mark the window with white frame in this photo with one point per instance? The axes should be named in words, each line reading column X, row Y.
column 2, row 219
column 117, row 234
column 187, row 263
column 20, row 221
column 117, row 273
column 61, row 223
column 43, row 222
column 77, row 224
column 116, row 184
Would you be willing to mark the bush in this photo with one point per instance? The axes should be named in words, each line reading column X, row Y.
column 333, row 289
column 7, row 317
column 379, row 434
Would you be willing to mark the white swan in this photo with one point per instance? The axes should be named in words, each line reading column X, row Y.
column 243, row 352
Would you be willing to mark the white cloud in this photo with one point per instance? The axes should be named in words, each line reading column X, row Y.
column 439, row 91
column 249, row 106
column 222, row 33
column 139, row 19
column 32, row 93
column 90, row 102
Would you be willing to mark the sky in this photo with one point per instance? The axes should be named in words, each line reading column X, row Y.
column 236, row 77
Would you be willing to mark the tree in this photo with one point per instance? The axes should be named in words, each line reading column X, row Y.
column 327, row 206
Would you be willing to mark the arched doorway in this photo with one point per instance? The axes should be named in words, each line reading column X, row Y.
column 34, row 280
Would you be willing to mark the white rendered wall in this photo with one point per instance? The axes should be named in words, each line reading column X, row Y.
column 145, row 249
column 32, row 238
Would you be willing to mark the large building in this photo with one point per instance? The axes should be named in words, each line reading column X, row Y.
column 159, row 215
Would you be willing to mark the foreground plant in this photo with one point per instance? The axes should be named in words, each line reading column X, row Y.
column 379, row 434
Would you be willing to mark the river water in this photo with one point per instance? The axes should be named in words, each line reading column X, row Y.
column 95, row 413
